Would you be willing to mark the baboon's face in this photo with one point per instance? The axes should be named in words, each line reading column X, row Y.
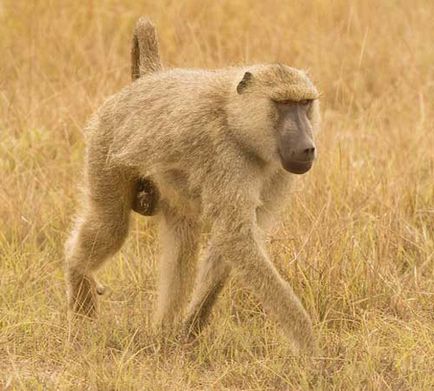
column 294, row 136
column 282, row 115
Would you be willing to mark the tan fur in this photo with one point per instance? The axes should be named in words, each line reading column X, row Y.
column 211, row 153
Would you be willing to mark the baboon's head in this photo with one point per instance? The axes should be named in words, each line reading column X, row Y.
column 277, row 112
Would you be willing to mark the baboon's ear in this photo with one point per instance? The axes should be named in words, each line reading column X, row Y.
column 246, row 80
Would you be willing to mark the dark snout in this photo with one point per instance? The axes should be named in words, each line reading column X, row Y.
column 295, row 145
column 299, row 160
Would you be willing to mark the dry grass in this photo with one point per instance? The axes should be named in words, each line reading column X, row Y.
column 358, row 242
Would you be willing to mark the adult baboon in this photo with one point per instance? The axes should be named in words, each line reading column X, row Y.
column 220, row 146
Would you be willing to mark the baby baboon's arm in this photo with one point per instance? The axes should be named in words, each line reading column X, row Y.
column 145, row 58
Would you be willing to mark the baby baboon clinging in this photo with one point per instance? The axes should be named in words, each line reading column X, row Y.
column 220, row 146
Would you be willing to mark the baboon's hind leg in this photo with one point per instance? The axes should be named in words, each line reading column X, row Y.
column 99, row 232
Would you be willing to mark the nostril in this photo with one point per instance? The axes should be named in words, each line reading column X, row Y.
column 310, row 152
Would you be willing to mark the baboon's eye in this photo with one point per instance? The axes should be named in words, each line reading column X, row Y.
column 305, row 102
column 285, row 102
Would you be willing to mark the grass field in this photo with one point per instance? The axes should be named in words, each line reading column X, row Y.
column 357, row 242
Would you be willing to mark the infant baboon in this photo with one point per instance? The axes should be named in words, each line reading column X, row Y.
column 220, row 146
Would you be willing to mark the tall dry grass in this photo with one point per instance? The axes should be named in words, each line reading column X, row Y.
column 358, row 240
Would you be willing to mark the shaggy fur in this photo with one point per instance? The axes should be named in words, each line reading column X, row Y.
column 211, row 152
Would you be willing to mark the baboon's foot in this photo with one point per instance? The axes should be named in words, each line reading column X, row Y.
column 147, row 196
column 191, row 329
column 306, row 348
column 82, row 294
column 304, row 342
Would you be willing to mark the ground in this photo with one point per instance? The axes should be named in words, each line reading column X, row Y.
column 356, row 243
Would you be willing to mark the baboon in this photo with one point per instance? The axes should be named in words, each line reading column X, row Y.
column 220, row 147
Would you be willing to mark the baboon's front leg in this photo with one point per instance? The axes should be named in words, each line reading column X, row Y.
column 244, row 250
column 213, row 272
column 179, row 240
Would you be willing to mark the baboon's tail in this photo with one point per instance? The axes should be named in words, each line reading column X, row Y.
column 145, row 56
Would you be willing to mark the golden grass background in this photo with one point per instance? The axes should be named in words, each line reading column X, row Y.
column 357, row 243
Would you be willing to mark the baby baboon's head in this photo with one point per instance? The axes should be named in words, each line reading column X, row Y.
column 276, row 112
